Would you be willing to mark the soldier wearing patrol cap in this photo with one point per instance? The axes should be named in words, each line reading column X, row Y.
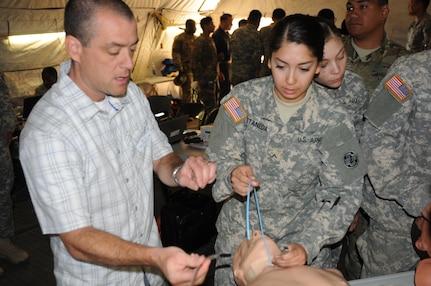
column 396, row 140
column 295, row 145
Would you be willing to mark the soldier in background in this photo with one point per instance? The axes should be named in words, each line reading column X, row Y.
column 221, row 39
column 8, row 122
column 204, row 64
column 247, row 50
column 419, row 33
column 182, row 57
column 396, row 140
column 265, row 32
column 370, row 52
column 49, row 77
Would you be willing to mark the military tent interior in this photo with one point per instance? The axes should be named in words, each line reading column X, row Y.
column 31, row 32
column 32, row 37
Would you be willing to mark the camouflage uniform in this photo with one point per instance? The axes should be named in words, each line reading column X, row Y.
column 353, row 95
column 418, row 36
column 374, row 68
column 265, row 33
column 7, row 122
column 204, row 65
column 396, row 141
column 299, row 164
column 182, row 58
column 246, row 48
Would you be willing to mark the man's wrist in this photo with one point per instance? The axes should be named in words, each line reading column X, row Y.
column 175, row 172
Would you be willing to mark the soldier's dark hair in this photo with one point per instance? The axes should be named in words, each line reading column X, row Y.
column 278, row 14
column 328, row 28
column 383, row 2
column 225, row 17
column 79, row 16
column 190, row 23
column 327, row 14
column 254, row 17
column 425, row 3
column 205, row 21
column 300, row 29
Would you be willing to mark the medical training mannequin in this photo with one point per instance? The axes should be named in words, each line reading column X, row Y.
column 251, row 267
column 421, row 239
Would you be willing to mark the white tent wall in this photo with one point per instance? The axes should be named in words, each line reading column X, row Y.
column 158, row 23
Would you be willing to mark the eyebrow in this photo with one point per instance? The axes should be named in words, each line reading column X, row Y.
column 300, row 64
column 115, row 44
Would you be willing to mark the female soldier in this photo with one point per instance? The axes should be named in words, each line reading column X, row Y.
column 347, row 88
column 343, row 85
column 296, row 146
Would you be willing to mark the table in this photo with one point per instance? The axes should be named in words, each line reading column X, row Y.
column 398, row 279
column 185, row 150
column 153, row 81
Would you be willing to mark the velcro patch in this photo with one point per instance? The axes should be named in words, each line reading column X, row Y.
column 398, row 88
column 235, row 109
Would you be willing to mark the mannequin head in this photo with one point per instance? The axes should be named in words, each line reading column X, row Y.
column 251, row 268
column 251, row 257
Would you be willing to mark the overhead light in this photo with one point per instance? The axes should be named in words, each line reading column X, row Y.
column 25, row 39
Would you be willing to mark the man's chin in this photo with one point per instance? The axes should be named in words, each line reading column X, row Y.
column 118, row 95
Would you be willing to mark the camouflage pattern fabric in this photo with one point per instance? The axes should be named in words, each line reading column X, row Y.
column 308, row 194
column 265, row 33
column 353, row 95
column 396, row 142
column 374, row 67
column 246, row 49
column 204, row 66
column 7, row 122
column 182, row 58
column 418, row 36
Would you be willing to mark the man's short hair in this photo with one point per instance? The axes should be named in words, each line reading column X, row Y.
column 49, row 72
column 425, row 3
column 327, row 14
column 278, row 14
column 383, row 2
column 79, row 16
column 254, row 16
column 225, row 17
column 205, row 21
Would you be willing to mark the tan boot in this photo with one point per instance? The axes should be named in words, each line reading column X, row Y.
column 12, row 252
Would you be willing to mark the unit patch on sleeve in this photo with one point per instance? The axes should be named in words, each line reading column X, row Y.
column 235, row 109
column 398, row 88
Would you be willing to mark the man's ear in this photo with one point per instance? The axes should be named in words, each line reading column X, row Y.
column 73, row 48
column 385, row 12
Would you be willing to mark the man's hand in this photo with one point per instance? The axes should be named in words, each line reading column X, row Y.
column 196, row 173
column 180, row 268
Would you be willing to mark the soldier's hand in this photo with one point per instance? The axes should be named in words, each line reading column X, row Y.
column 240, row 178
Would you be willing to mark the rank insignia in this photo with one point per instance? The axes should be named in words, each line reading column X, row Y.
column 398, row 88
column 235, row 109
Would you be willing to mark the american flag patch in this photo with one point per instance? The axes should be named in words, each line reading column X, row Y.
column 398, row 88
column 235, row 109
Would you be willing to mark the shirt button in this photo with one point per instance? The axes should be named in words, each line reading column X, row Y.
column 127, row 180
